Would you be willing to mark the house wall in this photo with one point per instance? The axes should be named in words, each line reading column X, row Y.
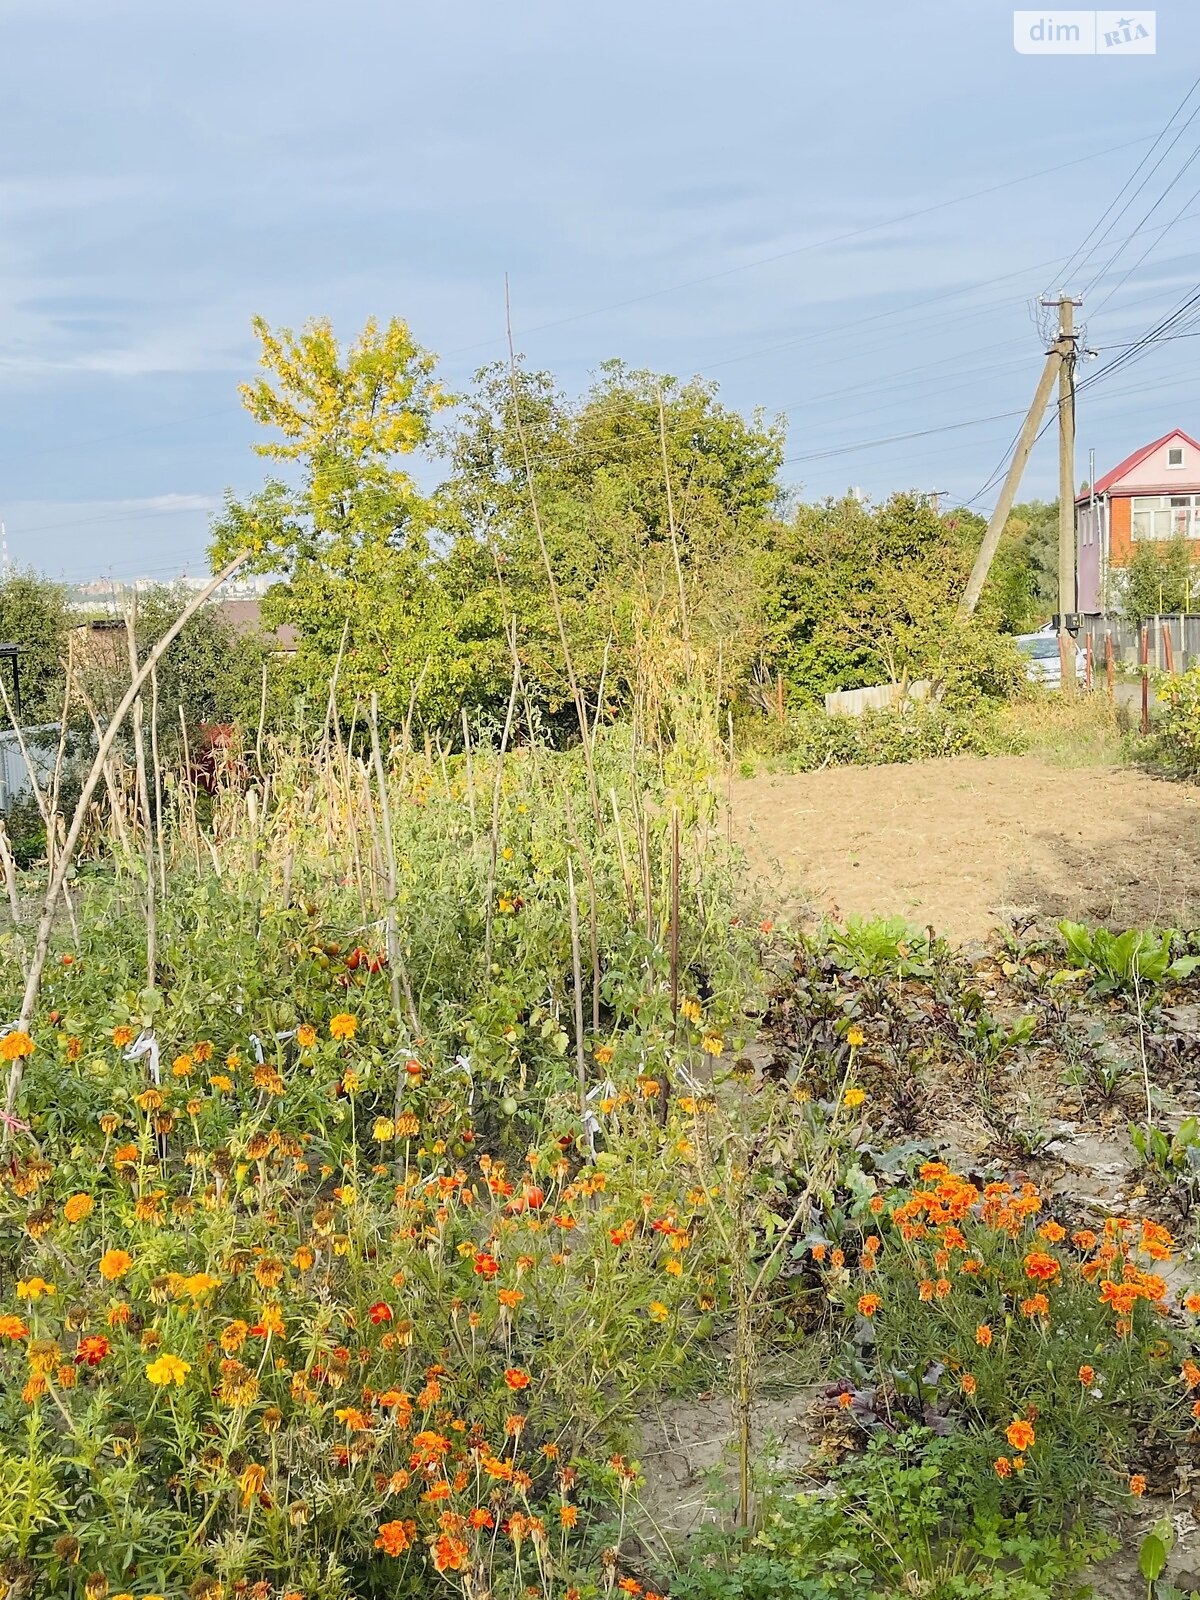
column 1120, row 546
column 1087, row 545
column 1154, row 476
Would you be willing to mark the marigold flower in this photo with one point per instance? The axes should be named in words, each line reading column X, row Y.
column 868, row 1304
column 1041, row 1265
column 515, row 1378
column 1087, row 1376
column 1003, row 1467
column 168, row 1369
column 450, row 1553
column 343, row 1026
column 12, row 1327
column 92, row 1350
column 969, row 1384
column 78, row 1207
column 712, row 1044
column 853, row 1098
column 15, row 1045
column 115, row 1264
column 34, row 1289
column 1020, row 1434
column 1191, row 1374
column 1137, row 1485
column 603, row 1055
column 306, row 1036
column 380, row 1312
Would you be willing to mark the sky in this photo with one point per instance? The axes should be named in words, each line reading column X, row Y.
column 839, row 212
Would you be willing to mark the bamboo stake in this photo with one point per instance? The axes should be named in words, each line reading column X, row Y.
column 397, row 974
column 496, row 791
column 470, row 771
column 158, row 787
column 139, row 755
column 110, row 782
column 576, row 692
column 58, row 876
column 580, row 1064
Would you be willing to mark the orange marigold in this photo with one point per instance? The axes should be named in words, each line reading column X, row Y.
column 1020, row 1434
column 868, row 1304
column 396, row 1537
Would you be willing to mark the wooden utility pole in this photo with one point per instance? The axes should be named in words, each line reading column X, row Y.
column 1066, row 482
column 1008, row 492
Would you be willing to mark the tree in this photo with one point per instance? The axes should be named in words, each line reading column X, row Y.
column 350, row 535
column 653, row 498
column 1156, row 580
column 213, row 672
column 34, row 615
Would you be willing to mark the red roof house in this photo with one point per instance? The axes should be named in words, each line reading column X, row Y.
column 1153, row 494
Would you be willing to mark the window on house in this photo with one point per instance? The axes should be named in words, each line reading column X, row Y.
column 1175, row 456
column 1166, row 516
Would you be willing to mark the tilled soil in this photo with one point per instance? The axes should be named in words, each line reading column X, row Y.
column 963, row 843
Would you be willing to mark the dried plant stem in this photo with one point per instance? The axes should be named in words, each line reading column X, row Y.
column 497, row 785
column 552, row 582
column 158, row 788
column 580, row 1063
column 397, row 971
column 58, row 876
column 139, row 756
column 43, row 808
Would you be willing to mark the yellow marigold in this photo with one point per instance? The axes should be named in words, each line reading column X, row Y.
column 712, row 1044
column 115, row 1264
column 168, row 1369
column 343, row 1026
column 16, row 1044
column 306, row 1036
column 78, row 1207
column 182, row 1066
column 854, row 1098
column 603, row 1055
column 34, row 1289
column 855, row 1036
column 121, row 1036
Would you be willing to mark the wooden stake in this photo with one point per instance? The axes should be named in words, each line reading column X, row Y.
column 1168, row 652
column 1108, row 661
column 1145, row 679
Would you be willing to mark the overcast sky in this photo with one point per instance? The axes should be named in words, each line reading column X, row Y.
column 785, row 194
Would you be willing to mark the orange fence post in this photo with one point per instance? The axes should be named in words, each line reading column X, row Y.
column 1168, row 653
column 1108, row 661
column 779, row 694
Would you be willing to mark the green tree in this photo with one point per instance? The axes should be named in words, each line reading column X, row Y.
column 1156, row 579
column 653, row 499
column 211, row 670
column 34, row 615
column 349, row 533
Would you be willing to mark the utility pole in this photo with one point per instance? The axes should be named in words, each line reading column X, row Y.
column 1066, row 483
column 934, row 497
column 1008, row 491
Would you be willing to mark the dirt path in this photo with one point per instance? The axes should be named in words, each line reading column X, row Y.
column 961, row 843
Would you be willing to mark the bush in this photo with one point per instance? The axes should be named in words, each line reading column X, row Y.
column 915, row 1515
column 912, row 732
column 1049, row 1345
column 1176, row 738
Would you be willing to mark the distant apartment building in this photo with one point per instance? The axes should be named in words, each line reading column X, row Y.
column 1154, row 494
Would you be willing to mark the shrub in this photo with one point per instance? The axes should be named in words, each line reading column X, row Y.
column 1176, row 739
column 913, row 1516
column 1051, row 1345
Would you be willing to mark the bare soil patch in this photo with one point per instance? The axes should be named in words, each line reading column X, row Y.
column 964, row 843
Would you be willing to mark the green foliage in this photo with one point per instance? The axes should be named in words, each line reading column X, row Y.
column 915, row 1515
column 34, row 615
column 1156, row 578
column 1023, row 584
column 913, row 732
column 1125, row 961
column 211, row 671
column 1176, row 736
column 1175, row 1157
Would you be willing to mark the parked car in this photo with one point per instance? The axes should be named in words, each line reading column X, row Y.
column 1043, row 664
